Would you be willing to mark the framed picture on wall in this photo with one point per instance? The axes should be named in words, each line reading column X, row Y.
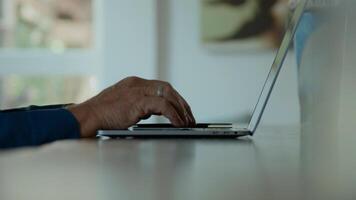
column 240, row 25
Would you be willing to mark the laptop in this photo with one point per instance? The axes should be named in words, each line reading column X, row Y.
column 222, row 129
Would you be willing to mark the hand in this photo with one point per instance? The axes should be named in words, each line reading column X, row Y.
column 129, row 101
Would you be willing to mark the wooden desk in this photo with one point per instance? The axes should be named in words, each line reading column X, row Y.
column 267, row 166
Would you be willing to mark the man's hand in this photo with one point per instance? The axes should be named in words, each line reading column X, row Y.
column 127, row 102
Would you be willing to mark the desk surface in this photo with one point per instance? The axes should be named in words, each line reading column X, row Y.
column 270, row 165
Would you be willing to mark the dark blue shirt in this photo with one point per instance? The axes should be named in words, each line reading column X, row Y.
column 36, row 125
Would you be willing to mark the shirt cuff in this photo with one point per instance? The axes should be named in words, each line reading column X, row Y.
column 51, row 125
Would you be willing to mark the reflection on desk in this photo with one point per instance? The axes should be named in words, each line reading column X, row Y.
column 268, row 166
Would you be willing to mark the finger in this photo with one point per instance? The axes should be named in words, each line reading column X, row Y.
column 187, row 107
column 168, row 94
column 159, row 106
column 179, row 105
column 181, row 100
column 184, row 103
column 187, row 111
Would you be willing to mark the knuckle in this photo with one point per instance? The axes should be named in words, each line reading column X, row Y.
column 167, row 87
column 131, row 79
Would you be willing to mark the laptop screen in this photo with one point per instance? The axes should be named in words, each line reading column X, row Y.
column 276, row 66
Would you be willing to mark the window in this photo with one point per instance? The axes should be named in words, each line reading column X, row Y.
column 49, row 51
column 41, row 90
column 53, row 24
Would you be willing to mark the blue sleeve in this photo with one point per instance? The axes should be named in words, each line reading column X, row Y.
column 36, row 127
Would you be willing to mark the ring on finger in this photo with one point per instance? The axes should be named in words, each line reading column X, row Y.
column 159, row 91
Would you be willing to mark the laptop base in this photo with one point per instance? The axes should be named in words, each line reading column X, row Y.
column 193, row 133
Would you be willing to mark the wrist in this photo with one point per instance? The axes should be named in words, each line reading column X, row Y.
column 87, row 121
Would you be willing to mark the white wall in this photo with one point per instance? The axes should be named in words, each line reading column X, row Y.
column 223, row 87
column 129, row 39
column 161, row 39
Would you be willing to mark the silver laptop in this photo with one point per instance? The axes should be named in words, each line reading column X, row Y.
column 221, row 129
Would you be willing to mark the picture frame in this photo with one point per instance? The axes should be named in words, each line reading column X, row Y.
column 242, row 25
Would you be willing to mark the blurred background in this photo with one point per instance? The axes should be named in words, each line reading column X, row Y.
column 65, row 51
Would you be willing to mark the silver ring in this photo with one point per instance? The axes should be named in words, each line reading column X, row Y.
column 160, row 91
